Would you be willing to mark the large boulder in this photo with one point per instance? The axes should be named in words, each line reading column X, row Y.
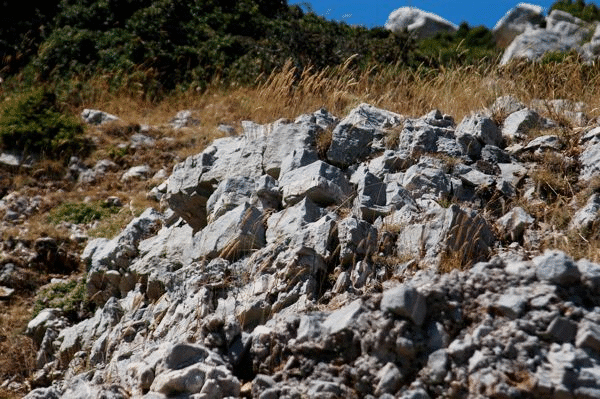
column 592, row 48
column 573, row 30
column 194, row 180
column 517, row 20
column 563, row 32
column 419, row 23
column 285, row 139
column 533, row 45
column 356, row 136
column 322, row 183
column 453, row 231
column 233, row 234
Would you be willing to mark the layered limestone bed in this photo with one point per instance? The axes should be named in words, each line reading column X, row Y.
column 404, row 259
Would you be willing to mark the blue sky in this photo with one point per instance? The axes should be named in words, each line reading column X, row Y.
column 375, row 12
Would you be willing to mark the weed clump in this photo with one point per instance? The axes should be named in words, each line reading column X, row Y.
column 81, row 213
column 68, row 296
column 34, row 124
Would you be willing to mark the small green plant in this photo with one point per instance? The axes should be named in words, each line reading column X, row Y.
column 34, row 123
column 558, row 57
column 81, row 213
column 68, row 296
column 117, row 153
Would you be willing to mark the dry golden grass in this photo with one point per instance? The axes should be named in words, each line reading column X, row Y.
column 323, row 141
column 18, row 352
column 288, row 92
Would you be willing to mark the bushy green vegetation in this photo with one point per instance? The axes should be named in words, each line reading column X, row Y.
column 578, row 8
column 465, row 47
column 160, row 45
column 156, row 46
column 181, row 43
column 34, row 123
column 68, row 296
column 81, row 212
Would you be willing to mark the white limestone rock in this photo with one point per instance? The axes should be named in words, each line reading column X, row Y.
column 517, row 20
column 419, row 23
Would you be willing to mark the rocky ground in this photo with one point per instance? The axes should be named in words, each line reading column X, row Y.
column 379, row 255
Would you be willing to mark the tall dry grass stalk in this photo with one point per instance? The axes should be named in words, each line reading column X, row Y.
column 288, row 92
column 18, row 351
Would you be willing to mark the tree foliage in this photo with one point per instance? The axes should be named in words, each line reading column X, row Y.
column 578, row 8
column 469, row 45
column 34, row 124
column 181, row 43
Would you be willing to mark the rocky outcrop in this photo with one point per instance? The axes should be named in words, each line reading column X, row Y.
column 419, row 23
column 524, row 32
column 517, row 20
column 390, row 268
column 563, row 32
column 97, row 117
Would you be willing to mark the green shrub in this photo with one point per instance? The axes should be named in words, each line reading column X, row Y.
column 466, row 46
column 34, row 124
column 587, row 12
column 69, row 296
column 181, row 44
column 80, row 213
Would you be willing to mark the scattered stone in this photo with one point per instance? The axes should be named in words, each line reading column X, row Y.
column 354, row 137
column 6, row 293
column 141, row 172
column 562, row 330
column 518, row 124
column 227, row 129
column 284, row 139
column 585, row 218
column 513, row 224
column 510, row 305
column 232, row 235
column 405, row 301
column 139, row 140
column 480, row 127
column 96, row 117
column 556, row 267
column 184, row 119
column 322, row 183
column 390, row 379
column 16, row 160
column 588, row 336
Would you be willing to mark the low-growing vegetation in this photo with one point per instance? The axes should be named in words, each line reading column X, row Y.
column 68, row 296
column 34, row 123
column 18, row 351
column 81, row 213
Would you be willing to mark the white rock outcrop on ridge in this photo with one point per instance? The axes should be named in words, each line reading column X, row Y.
column 517, row 20
column 417, row 22
column 563, row 33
